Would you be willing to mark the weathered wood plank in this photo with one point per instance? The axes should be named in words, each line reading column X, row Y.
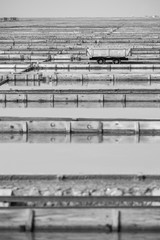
column 65, row 98
column 120, row 127
column 143, row 220
column 13, row 127
column 88, row 219
column 48, row 126
column 125, row 220
column 12, row 219
column 149, row 128
column 15, row 97
column 39, row 97
column 86, row 126
column 90, row 97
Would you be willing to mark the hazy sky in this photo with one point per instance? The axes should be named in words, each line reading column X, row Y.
column 79, row 8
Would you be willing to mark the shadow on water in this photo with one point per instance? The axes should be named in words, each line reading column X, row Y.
column 78, row 236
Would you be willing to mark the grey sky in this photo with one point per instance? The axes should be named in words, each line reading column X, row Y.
column 79, row 8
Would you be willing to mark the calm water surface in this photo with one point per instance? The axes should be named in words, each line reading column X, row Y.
column 42, row 158
column 78, row 236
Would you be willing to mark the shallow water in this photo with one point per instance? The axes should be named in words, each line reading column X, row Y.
column 78, row 236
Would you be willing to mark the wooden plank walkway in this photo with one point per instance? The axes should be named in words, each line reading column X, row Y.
column 97, row 214
column 78, row 96
column 139, row 127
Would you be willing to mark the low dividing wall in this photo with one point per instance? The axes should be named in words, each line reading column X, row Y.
column 101, row 220
column 66, row 125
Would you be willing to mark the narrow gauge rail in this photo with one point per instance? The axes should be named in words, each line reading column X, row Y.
column 82, row 201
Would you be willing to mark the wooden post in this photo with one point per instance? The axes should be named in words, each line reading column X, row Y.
column 116, row 220
column 113, row 79
column 30, row 221
column 34, row 79
column 26, row 77
column 14, row 77
column 150, row 79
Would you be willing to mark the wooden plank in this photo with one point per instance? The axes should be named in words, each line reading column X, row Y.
column 65, row 98
column 150, row 128
column 86, row 126
column 86, row 219
column 143, row 97
column 12, row 219
column 40, row 97
column 130, row 220
column 120, row 127
column 140, row 220
column 65, row 104
column 15, row 98
column 13, row 127
column 48, row 126
column 90, row 98
column 38, row 104
column 114, row 97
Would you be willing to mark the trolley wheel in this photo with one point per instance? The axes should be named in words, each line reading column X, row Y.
column 101, row 61
column 116, row 61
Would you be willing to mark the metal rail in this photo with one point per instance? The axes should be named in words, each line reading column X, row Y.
column 82, row 201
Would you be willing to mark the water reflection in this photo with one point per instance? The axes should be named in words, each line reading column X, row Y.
column 78, row 236
column 80, row 104
column 76, row 138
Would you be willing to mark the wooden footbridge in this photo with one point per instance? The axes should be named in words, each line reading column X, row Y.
column 77, row 213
